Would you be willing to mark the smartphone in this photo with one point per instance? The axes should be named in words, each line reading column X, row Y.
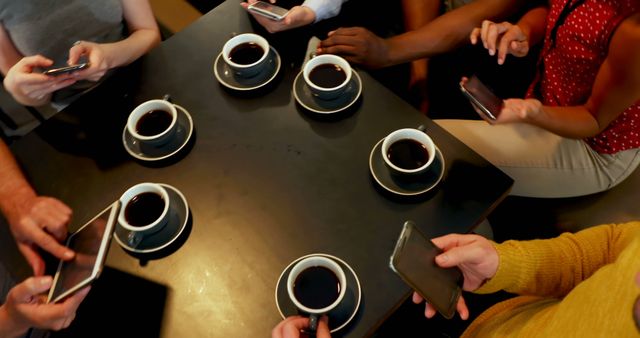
column 90, row 243
column 268, row 10
column 65, row 70
column 413, row 259
column 489, row 104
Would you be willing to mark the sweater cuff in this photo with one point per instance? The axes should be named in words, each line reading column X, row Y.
column 324, row 9
column 509, row 271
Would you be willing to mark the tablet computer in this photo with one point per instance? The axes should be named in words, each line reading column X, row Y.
column 91, row 244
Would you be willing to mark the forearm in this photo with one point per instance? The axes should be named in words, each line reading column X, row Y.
column 554, row 267
column 448, row 31
column 126, row 51
column 533, row 24
column 418, row 13
column 575, row 122
column 14, row 187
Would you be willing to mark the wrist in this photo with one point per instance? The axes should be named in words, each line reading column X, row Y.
column 13, row 203
column 308, row 15
column 8, row 327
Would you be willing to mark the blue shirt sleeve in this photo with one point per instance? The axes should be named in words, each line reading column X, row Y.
column 324, row 9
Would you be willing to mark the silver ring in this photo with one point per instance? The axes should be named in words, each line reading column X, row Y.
column 77, row 42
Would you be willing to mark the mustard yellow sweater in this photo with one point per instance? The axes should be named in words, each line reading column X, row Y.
column 576, row 285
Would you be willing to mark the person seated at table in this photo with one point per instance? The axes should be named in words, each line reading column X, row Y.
column 578, row 284
column 35, row 222
column 310, row 11
column 36, row 36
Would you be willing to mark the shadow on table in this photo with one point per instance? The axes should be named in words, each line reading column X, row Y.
column 119, row 305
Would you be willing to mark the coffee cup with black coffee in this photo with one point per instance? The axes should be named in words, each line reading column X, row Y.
column 153, row 122
column 144, row 210
column 408, row 151
column 316, row 285
column 327, row 76
column 246, row 54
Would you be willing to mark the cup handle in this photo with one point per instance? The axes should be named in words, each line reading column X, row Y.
column 134, row 238
column 313, row 322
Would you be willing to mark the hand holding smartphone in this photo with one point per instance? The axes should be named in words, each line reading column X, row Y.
column 413, row 259
column 268, row 10
column 90, row 243
column 482, row 98
column 66, row 70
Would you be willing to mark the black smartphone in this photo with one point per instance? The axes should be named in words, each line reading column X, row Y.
column 484, row 99
column 90, row 243
column 65, row 70
column 413, row 259
column 268, row 10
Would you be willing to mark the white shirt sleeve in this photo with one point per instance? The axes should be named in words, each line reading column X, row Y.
column 324, row 9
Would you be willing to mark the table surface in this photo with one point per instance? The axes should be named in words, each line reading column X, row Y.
column 266, row 183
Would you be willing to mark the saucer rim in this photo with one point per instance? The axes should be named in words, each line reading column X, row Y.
column 429, row 188
column 178, row 233
column 355, row 275
column 125, row 132
column 224, row 83
column 356, row 97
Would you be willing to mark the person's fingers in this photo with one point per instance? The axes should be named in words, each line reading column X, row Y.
column 72, row 302
column 475, row 33
column 348, row 31
column 244, row 5
column 343, row 50
column 493, row 34
column 456, row 256
column 429, row 311
column 323, row 328
column 520, row 48
column 462, row 309
column 48, row 243
column 484, row 31
column 79, row 48
column 416, row 298
column 449, row 241
column 503, row 48
column 35, row 261
column 29, row 62
column 30, row 288
column 290, row 327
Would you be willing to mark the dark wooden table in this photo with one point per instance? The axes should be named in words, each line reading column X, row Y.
column 266, row 183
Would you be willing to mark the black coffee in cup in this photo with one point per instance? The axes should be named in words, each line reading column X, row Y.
column 153, row 122
column 316, row 287
column 144, row 209
column 327, row 75
column 408, row 154
column 246, row 53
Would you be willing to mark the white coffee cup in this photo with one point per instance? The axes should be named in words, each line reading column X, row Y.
column 140, row 112
column 416, row 135
column 251, row 69
column 326, row 93
column 154, row 224
column 301, row 268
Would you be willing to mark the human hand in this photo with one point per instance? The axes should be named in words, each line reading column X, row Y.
column 38, row 221
column 357, row 45
column 25, row 307
column 506, row 37
column 291, row 327
column 474, row 255
column 31, row 87
column 97, row 56
column 298, row 16
column 519, row 110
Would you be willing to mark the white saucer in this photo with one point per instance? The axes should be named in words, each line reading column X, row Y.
column 306, row 99
column 145, row 152
column 405, row 186
column 339, row 317
column 167, row 235
column 227, row 77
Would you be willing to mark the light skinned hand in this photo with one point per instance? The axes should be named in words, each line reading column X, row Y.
column 298, row 16
column 26, row 307
column 357, row 45
column 97, row 56
column 474, row 255
column 40, row 222
column 504, row 37
column 520, row 110
column 291, row 327
column 25, row 80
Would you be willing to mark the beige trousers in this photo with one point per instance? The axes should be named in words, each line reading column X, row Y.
column 541, row 163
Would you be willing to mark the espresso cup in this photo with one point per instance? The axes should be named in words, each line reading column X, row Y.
column 327, row 76
column 144, row 210
column 316, row 285
column 246, row 54
column 408, row 151
column 153, row 122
